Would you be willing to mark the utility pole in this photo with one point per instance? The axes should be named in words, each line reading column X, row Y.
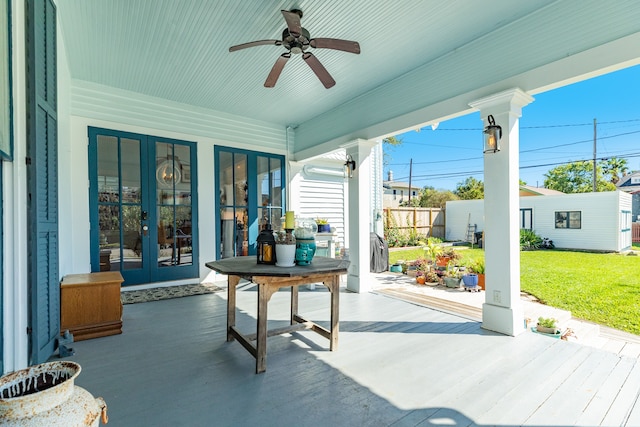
column 410, row 173
column 594, row 156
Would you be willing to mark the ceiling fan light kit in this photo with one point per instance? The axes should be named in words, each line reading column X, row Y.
column 297, row 40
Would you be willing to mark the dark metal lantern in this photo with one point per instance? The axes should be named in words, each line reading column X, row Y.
column 492, row 136
column 266, row 253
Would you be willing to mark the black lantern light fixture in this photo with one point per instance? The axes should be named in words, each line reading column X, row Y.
column 266, row 243
column 492, row 136
column 349, row 166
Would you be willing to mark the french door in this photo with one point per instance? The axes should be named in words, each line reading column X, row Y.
column 251, row 188
column 143, row 206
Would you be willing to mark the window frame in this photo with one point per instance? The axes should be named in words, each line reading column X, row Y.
column 567, row 221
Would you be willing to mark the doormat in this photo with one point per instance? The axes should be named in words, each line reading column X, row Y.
column 168, row 292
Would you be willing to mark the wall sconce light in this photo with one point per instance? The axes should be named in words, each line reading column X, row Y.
column 349, row 166
column 492, row 136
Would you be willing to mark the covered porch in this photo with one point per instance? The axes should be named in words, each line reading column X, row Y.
column 397, row 363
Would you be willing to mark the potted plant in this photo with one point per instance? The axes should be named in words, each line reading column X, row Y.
column 432, row 277
column 478, row 268
column 470, row 280
column 446, row 256
column 323, row 225
column 420, row 278
column 432, row 249
column 422, row 266
column 452, row 278
column 548, row 325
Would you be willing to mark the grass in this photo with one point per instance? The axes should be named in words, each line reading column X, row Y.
column 602, row 288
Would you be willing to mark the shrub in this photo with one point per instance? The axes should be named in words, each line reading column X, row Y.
column 529, row 240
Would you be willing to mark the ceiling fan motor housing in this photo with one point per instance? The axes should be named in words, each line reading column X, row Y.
column 296, row 44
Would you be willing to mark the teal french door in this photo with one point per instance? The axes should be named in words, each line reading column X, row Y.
column 251, row 189
column 143, row 206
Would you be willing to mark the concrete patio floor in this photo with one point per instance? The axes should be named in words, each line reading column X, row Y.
column 459, row 301
column 397, row 363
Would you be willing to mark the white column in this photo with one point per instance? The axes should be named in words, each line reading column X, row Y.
column 358, row 277
column 502, row 311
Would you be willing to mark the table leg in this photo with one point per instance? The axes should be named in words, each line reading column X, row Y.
column 232, row 283
column 294, row 303
column 334, row 287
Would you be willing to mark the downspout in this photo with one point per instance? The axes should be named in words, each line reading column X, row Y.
column 287, row 169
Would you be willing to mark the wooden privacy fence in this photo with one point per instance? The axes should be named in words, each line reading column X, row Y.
column 635, row 232
column 429, row 222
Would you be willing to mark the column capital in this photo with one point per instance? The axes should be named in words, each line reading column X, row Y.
column 508, row 101
column 353, row 146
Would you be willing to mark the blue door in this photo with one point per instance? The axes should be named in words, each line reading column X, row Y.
column 143, row 204
column 251, row 188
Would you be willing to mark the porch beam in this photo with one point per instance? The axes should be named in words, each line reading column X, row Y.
column 359, row 227
column 502, row 310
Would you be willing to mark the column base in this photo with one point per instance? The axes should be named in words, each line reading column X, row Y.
column 504, row 320
column 358, row 284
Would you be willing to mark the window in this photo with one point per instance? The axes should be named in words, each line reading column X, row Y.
column 526, row 218
column 394, row 194
column 569, row 219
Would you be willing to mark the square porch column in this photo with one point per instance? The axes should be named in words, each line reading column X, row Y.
column 360, row 207
column 502, row 310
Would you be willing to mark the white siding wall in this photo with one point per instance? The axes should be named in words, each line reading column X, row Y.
column 321, row 196
column 600, row 212
column 457, row 217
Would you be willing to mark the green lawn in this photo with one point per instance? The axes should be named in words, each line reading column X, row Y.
column 602, row 288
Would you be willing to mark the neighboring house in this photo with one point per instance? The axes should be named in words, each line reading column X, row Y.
column 631, row 184
column 527, row 190
column 397, row 192
column 588, row 221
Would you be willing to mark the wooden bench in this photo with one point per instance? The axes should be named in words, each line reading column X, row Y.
column 90, row 304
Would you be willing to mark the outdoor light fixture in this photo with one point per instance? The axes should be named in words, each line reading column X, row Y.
column 492, row 136
column 349, row 166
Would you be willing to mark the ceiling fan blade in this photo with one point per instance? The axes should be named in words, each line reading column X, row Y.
column 255, row 43
column 319, row 69
column 293, row 22
column 272, row 78
column 337, row 44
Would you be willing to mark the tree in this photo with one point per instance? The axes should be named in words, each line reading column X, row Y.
column 429, row 197
column 615, row 167
column 470, row 189
column 576, row 177
column 389, row 143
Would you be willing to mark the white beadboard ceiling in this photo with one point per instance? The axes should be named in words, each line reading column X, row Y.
column 178, row 49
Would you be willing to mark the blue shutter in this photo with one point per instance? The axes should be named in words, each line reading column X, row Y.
column 42, row 176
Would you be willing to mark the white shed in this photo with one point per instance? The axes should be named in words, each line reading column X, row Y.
column 588, row 221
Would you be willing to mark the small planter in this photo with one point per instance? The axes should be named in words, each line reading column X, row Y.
column 395, row 268
column 442, row 261
column 324, row 228
column 452, row 282
column 481, row 281
column 420, row 280
column 552, row 332
column 470, row 280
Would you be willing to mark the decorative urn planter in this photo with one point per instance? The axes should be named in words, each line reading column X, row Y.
column 45, row 395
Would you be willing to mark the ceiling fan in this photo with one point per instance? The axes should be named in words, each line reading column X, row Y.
column 297, row 40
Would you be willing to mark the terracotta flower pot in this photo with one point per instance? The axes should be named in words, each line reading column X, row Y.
column 420, row 280
column 481, row 281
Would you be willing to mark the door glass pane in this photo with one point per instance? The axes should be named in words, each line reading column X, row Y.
column 240, row 180
column 228, row 234
column 269, row 192
column 119, row 207
column 226, row 178
column 173, row 202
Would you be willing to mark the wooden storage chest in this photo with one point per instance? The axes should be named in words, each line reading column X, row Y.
column 90, row 304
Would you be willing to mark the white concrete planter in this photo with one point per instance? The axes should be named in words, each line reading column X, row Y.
column 45, row 395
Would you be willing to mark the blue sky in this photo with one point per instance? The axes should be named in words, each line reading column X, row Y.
column 557, row 127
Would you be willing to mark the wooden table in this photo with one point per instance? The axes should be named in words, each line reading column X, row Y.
column 270, row 279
